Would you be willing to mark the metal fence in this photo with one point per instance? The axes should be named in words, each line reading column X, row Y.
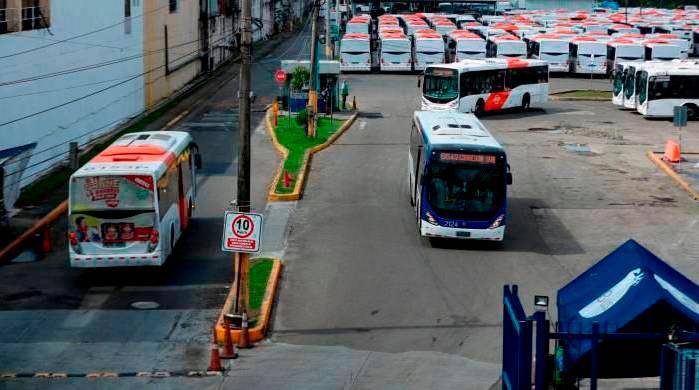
column 516, row 343
column 678, row 366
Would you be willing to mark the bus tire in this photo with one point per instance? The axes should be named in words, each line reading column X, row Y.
column 692, row 111
column 526, row 102
column 480, row 107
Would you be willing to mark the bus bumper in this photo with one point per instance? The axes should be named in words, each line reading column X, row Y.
column 396, row 67
column 558, row 68
column 124, row 260
column 355, row 68
column 429, row 230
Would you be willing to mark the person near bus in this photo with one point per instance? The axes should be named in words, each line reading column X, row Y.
column 345, row 91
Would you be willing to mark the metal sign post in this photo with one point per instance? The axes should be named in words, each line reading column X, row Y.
column 679, row 120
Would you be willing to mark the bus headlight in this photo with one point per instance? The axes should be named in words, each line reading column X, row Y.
column 498, row 222
column 431, row 219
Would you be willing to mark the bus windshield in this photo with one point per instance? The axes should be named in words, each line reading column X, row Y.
column 441, row 85
column 619, row 81
column 629, row 83
column 466, row 191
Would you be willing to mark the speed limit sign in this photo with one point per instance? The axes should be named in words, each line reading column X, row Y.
column 241, row 232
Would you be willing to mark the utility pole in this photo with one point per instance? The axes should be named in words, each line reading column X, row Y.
column 312, row 91
column 329, row 50
column 241, row 259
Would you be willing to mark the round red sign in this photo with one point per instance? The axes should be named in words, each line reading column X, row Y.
column 280, row 76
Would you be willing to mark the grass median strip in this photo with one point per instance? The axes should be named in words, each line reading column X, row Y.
column 293, row 137
column 260, row 269
column 585, row 94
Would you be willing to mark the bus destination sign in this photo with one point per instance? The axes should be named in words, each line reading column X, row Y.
column 464, row 157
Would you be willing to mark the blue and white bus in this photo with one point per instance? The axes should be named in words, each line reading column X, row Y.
column 458, row 177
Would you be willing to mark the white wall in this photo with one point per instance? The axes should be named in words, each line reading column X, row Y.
column 84, row 119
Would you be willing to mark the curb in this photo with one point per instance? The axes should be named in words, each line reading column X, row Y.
column 300, row 181
column 258, row 332
column 677, row 178
column 108, row 375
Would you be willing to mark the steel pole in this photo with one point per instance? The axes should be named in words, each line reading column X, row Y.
column 312, row 90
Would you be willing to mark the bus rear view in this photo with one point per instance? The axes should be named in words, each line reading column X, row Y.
column 458, row 177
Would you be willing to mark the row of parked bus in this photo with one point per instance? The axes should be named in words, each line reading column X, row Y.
column 575, row 43
column 654, row 88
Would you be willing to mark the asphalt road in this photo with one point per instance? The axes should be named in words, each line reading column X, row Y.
column 358, row 275
column 57, row 319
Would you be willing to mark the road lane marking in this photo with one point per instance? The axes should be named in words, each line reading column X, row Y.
column 176, row 119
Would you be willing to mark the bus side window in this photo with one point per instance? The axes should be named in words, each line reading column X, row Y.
column 167, row 190
column 186, row 166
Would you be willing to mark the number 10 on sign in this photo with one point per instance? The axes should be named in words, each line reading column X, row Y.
column 241, row 232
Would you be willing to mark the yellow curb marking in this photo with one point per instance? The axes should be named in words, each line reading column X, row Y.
column 677, row 178
column 258, row 332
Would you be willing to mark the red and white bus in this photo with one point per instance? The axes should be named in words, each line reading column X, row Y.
column 506, row 46
column 485, row 85
column 428, row 48
column 550, row 48
column 463, row 44
column 660, row 49
column 130, row 204
column 395, row 51
column 623, row 50
column 355, row 54
column 588, row 56
column 359, row 24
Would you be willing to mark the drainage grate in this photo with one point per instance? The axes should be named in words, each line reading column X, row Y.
column 371, row 115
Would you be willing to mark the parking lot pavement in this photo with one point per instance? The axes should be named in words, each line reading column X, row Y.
column 357, row 274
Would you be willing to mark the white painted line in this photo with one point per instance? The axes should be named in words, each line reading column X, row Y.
column 176, row 119
column 362, row 125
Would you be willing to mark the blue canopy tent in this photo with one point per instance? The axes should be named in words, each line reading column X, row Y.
column 630, row 290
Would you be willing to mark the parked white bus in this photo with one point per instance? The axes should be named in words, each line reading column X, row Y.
column 620, row 69
column 660, row 89
column 355, row 53
column 660, row 49
column 463, row 44
column 484, row 85
column 506, row 46
column 674, row 39
column 631, row 80
column 395, row 52
column 550, row 48
column 623, row 50
column 428, row 48
column 588, row 56
column 130, row 204
column 359, row 25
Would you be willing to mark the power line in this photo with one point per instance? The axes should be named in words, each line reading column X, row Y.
column 81, row 35
column 99, row 91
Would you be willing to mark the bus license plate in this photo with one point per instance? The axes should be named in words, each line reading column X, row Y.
column 463, row 234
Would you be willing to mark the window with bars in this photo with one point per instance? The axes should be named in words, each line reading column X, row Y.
column 32, row 15
column 3, row 16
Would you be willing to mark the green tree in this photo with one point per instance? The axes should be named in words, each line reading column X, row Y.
column 302, row 118
column 299, row 78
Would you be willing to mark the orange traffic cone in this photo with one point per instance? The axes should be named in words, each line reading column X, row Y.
column 215, row 362
column 287, row 179
column 672, row 152
column 228, row 347
column 46, row 240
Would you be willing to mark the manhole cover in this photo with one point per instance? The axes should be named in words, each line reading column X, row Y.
column 145, row 305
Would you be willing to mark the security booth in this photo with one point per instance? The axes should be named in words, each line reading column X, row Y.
column 328, row 91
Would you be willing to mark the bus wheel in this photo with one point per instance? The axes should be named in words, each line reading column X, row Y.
column 692, row 111
column 480, row 107
column 526, row 102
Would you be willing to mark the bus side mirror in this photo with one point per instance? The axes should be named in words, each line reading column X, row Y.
column 509, row 178
column 197, row 161
column 419, row 82
column 321, row 39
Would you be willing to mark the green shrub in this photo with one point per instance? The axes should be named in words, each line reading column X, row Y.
column 302, row 118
